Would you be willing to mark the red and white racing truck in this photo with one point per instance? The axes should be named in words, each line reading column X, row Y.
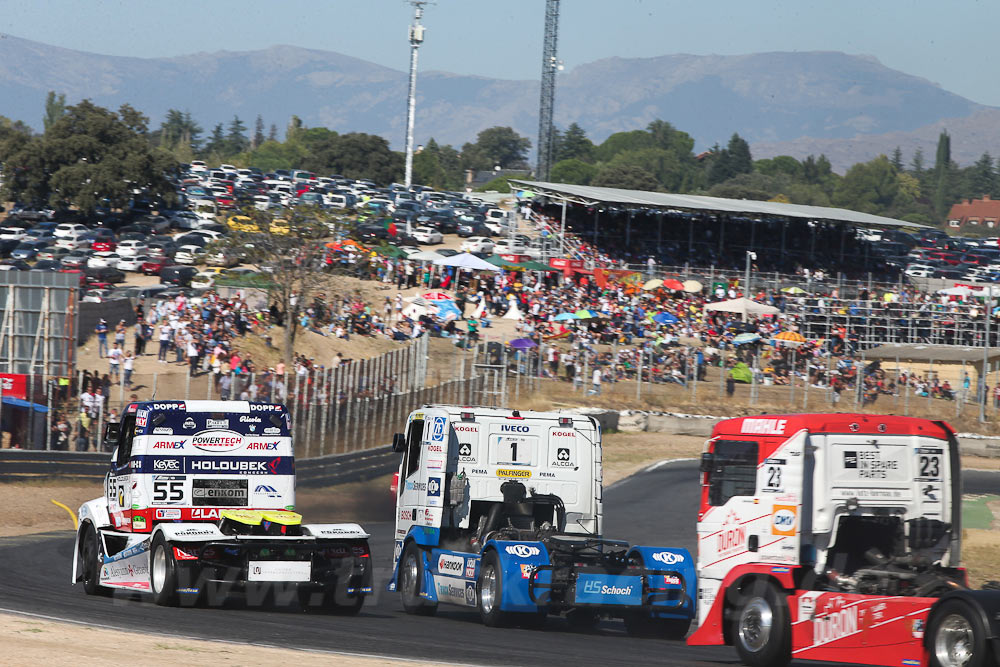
column 198, row 503
column 836, row 537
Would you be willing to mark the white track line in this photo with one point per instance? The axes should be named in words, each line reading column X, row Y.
column 351, row 654
column 649, row 468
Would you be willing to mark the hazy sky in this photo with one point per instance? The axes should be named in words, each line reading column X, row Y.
column 951, row 43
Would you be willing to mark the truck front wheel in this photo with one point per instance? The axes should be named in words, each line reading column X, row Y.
column 411, row 577
column 90, row 555
column 162, row 572
column 957, row 637
column 489, row 590
column 761, row 629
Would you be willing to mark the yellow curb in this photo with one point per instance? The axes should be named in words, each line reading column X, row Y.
column 68, row 511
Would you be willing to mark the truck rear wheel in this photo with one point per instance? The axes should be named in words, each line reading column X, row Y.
column 411, row 577
column 90, row 554
column 761, row 629
column 957, row 637
column 162, row 572
column 489, row 590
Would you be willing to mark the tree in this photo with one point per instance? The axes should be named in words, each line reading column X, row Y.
column 293, row 256
column 781, row 164
column 503, row 146
column 619, row 142
column 740, row 160
column 980, row 178
column 944, row 176
column 236, row 137
column 574, row 145
column 573, row 171
column 272, row 133
column 870, row 187
column 353, row 155
column 55, row 107
column 917, row 162
column 897, row 159
column 625, row 176
column 217, row 141
column 88, row 157
column 180, row 134
column 258, row 133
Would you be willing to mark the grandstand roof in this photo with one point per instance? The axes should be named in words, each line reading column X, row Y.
column 594, row 196
column 919, row 352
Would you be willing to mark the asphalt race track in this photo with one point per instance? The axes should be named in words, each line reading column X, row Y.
column 656, row 507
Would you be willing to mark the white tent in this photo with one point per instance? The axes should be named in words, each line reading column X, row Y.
column 743, row 307
column 955, row 291
column 466, row 261
column 425, row 256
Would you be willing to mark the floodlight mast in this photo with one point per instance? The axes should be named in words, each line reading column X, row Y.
column 416, row 39
column 550, row 64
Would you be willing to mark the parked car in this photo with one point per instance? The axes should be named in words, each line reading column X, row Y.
column 12, row 233
column 104, row 274
column 14, row 265
column 177, row 275
column 428, row 235
column 47, row 265
column 154, row 265
column 133, row 263
column 76, row 259
column 97, row 295
column 225, row 258
column 203, row 279
column 52, row 253
column 132, row 248
column 28, row 249
column 103, row 259
column 69, row 230
column 164, row 248
column 190, row 254
column 477, row 244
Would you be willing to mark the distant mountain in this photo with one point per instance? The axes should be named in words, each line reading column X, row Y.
column 781, row 102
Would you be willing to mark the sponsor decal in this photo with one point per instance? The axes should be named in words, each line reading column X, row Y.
column 438, row 429
column 264, row 407
column 836, row 622
column 407, row 515
column 198, row 513
column 168, row 514
column 784, row 520
column 139, row 522
column 453, row 593
column 911, row 661
column 668, row 557
column 397, row 550
column 470, row 568
column 141, row 417
column 435, row 464
column 168, row 444
column 263, row 445
column 167, row 464
column 451, row 565
column 225, row 492
column 517, row 474
column 227, row 465
column 546, row 474
column 608, row 589
column 526, row 569
column 465, row 452
column 671, row 580
column 563, row 458
column 479, row 471
column 217, row 441
column 189, row 423
column 732, row 537
column 434, row 487
column 564, row 434
column 764, row 426
column 807, row 607
column 781, row 570
column 465, row 428
column 917, row 628
column 470, row 594
column 159, row 407
column 249, row 419
column 162, row 430
column 522, row 550
column 514, row 428
column 195, row 532
column 434, row 448
column 193, row 591
column 265, row 490
column 416, row 486
column 272, row 430
column 216, row 423
column 870, row 464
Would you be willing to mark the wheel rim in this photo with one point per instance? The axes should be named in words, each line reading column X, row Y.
column 410, row 576
column 954, row 641
column 488, row 589
column 755, row 624
column 159, row 568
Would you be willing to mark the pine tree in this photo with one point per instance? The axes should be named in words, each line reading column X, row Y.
column 236, row 138
column 897, row 159
column 217, row 141
column 258, row 133
column 942, row 175
column 55, row 107
column 272, row 134
column 740, row 160
column 917, row 163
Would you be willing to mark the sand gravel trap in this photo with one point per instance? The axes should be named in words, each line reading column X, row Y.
column 29, row 640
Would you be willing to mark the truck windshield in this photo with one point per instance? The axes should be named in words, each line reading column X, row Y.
column 734, row 471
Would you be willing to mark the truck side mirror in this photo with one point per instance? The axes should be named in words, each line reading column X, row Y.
column 707, row 462
column 398, row 442
column 111, row 433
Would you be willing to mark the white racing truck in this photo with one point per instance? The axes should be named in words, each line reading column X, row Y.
column 836, row 537
column 198, row 503
column 500, row 511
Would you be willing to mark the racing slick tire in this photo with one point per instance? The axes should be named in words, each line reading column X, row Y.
column 761, row 630
column 162, row 572
column 956, row 637
column 411, row 577
column 489, row 592
column 89, row 555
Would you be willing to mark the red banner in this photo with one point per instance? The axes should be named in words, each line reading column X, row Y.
column 15, row 385
column 563, row 263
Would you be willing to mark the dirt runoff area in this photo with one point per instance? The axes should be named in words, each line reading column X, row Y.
column 30, row 640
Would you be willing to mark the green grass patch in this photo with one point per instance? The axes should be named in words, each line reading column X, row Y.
column 975, row 513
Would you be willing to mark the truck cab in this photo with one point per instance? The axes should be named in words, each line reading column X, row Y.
column 501, row 511
column 829, row 537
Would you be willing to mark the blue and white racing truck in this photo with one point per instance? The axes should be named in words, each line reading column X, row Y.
column 198, row 503
column 500, row 511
